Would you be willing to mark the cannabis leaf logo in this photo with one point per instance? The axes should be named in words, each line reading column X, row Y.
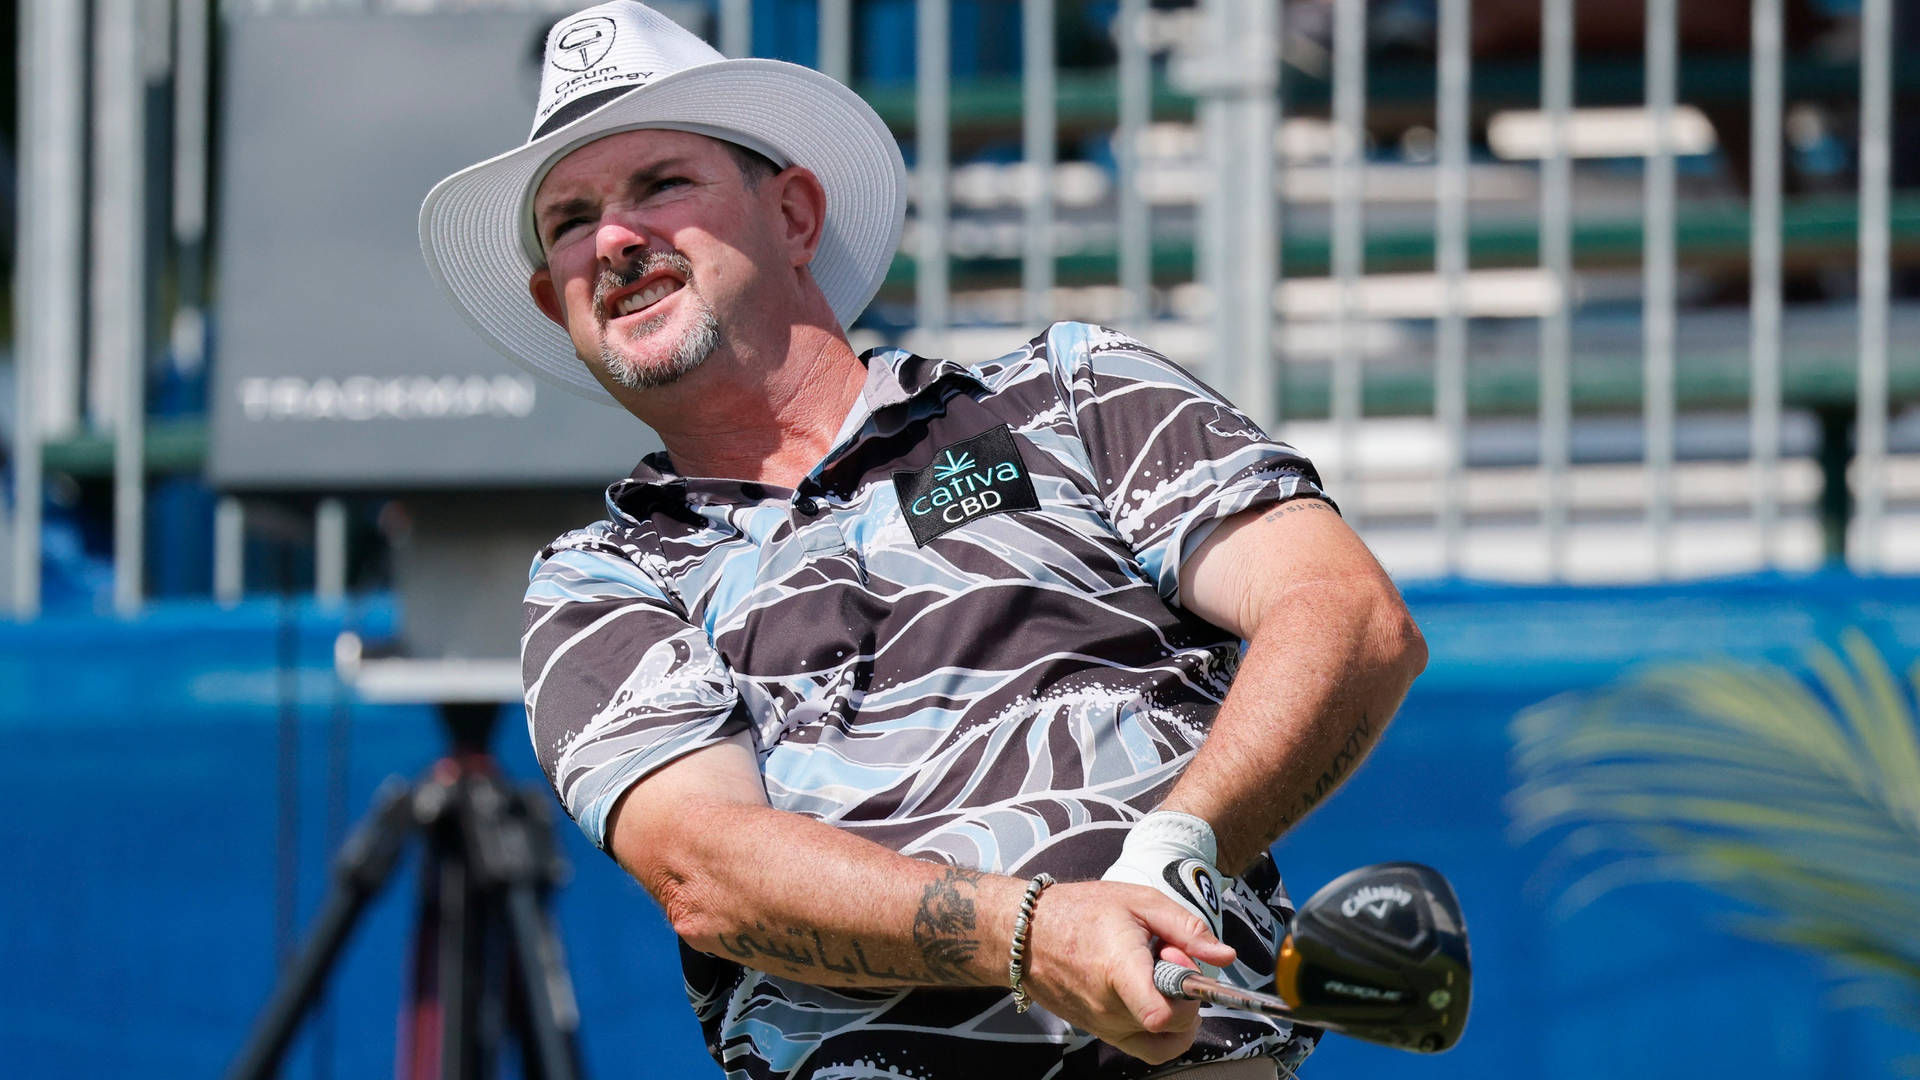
column 943, row 470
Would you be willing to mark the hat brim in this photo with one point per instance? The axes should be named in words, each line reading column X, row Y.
column 472, row 224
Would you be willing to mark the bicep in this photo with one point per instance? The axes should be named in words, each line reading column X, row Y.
column 619, row 685
column 653, row 818
column 1255, row 557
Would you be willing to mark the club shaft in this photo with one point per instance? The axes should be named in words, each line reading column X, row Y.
column 1175, row 981
column 1184, row 982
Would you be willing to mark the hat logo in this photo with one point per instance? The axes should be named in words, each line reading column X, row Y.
column 584, row 43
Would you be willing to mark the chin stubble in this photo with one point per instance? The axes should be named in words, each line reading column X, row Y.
column 690, row 352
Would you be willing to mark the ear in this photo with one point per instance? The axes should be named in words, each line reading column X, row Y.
column 545, row 297
column 803, row 212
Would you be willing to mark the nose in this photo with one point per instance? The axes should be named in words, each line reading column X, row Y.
column 619, row 239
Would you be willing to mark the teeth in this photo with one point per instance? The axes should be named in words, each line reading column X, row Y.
column 646, row 297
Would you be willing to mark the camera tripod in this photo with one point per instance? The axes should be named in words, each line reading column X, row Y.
column 486, row 958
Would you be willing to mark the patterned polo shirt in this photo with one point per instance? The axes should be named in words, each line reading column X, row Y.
column 959, row 637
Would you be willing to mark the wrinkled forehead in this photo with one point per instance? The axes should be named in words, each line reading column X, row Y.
column 621, row 153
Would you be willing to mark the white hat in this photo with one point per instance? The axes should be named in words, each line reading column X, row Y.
column 622, row 67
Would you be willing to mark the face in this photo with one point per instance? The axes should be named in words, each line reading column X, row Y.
column 650, row 245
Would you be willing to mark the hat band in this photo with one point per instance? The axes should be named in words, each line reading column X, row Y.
column 579, row 107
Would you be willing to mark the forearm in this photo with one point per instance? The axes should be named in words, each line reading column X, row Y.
column 1326, row 668
column 799, row 898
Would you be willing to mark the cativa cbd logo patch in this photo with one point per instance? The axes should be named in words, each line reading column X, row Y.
column 970, row 479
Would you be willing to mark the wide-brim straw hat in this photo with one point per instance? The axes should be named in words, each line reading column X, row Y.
column 624, row 67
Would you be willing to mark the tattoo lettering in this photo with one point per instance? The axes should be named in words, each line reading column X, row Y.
column 845, row 966
column 1297, row 506
column 943, row 927
column 1343, row 762
column 792, row 951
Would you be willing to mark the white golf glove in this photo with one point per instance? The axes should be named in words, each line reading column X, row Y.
column 1173, row 853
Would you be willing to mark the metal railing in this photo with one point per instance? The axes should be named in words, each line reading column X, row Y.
column 1244, row 360
column 1231, row 69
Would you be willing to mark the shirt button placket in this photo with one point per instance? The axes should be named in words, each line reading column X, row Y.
column 823, row 538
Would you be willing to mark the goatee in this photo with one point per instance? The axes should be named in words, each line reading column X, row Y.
column 690, row 352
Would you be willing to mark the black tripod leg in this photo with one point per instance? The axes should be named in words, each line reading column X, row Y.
column 365, row 863
column 552, row 1020
column 460, row 924
column 441, row 999
column 492, row 1017
column 511, row 839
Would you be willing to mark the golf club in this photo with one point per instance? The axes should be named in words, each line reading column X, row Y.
column 1379, row 954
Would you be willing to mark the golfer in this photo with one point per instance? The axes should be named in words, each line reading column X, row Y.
column 912, row 688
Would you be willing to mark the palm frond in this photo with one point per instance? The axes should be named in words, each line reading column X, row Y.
column 1795, row 794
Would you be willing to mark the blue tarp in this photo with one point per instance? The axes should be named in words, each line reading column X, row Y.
column 139, row 783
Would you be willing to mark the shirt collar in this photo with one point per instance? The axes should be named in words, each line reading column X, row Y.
column 895, row 377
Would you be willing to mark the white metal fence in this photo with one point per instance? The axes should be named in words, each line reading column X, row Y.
column 1432, row 509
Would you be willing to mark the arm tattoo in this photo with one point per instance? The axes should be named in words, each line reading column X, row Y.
column 943, row 927
column 1296, row 506
column 1343, row 762
column 943, row 930
column 792, row 950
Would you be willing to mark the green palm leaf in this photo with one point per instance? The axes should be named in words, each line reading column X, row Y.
column 1798, row 797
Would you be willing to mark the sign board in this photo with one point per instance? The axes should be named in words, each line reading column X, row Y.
column 340, row 365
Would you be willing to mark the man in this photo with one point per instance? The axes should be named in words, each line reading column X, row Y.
column 879, row 645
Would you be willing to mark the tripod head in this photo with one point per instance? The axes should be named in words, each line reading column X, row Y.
column 469, row 725
column 467, row 693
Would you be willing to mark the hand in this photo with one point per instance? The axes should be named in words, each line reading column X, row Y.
column 1174, row 853
column 1090, row 962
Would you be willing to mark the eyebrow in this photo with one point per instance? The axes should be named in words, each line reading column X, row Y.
column 640, row 178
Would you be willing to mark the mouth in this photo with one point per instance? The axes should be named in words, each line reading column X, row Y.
column 641, row 296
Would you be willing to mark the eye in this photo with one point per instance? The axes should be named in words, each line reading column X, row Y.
column 668, row 182
column 562, row 228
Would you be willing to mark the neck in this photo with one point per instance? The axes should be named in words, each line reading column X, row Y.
column 766, row 415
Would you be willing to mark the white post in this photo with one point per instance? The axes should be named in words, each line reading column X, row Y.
column 836, row 39
column 931, row 172
column 1348, row 246
column 1658, row 282
column 190, row 78
column 1764, row 393
column 1136, row 103
column 53, row 161
column 229, row 551
column 1870, row 438
column 1040, row 134
column 1450, row 257
column 119, row 286
column 1213, row 262
column 330, row 551
column 1239, row 112
column 736, row 28
column 46, row 302
column 1556, row 256
column 1255, row 228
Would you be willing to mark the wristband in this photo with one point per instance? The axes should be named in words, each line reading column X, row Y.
column 1017, row 957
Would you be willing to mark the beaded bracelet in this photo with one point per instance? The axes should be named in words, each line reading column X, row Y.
column 1017, row 959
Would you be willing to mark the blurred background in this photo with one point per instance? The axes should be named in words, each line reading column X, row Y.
column 1599, row 317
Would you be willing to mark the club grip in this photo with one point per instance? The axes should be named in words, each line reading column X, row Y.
column 1171, row 979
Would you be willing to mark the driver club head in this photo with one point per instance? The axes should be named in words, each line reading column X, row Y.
column 1380, row 954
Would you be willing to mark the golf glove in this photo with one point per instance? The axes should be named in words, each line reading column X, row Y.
column 1173, row 853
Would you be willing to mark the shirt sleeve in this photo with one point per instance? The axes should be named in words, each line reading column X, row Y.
column 1171, row 457
column 617, row 682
